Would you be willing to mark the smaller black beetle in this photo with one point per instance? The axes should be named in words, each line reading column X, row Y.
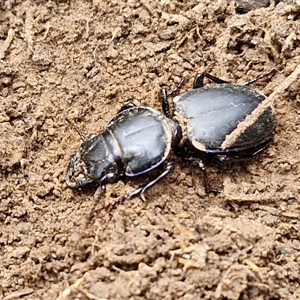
column 214, row 124
column 134, row 142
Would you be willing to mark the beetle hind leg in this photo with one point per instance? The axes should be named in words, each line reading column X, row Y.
column 168, row 168
column 258, row 77
column 208, row 189
column 199, row 78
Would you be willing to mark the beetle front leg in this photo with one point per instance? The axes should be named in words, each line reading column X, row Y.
column 141, row 190
column 97, row 195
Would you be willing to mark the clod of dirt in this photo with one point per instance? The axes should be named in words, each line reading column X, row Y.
column 10, row 155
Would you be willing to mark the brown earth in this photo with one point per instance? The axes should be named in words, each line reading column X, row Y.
column 83, row 60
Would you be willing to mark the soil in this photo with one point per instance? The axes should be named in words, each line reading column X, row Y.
column 82, row 61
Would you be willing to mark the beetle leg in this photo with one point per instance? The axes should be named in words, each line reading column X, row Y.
column 258, row 77
column 97, row 195
column 164, row 97
column 126, row 106
column 208, row 189
column 168, row 169
column 198, row 80
column 165, row 105
column 201, row 165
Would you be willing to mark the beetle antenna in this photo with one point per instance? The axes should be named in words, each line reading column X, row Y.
column 76, row 129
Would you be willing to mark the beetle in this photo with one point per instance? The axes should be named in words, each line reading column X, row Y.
column 215, row 121
column 134, row 142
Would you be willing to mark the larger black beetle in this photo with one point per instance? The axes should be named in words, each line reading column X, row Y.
column 206, row 124
column 214, row 124
column 135, row 141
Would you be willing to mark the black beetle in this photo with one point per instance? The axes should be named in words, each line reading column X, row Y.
column 215, row 121
column 135, row 141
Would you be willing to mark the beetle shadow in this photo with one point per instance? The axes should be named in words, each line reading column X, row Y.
column 136, row 184
column 214, row 170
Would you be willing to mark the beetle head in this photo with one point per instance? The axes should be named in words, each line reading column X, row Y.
column 94, row 164
column 76, row 175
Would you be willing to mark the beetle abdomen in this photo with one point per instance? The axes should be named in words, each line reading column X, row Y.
column 211, row 113
column 259, row 132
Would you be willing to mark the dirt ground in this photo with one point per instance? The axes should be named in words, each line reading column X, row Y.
column 83, row 60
